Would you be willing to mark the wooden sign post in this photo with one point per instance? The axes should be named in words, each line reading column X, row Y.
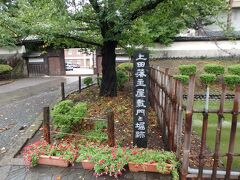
column 140, row 98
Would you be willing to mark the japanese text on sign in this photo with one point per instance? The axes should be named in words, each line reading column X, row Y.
column 141, row 65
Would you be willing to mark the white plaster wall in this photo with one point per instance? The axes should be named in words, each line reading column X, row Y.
column 5, row 53
column 196, row 49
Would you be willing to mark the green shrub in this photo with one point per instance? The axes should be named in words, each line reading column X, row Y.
column 183, row 78
column 234, row 69
column 188, row 70
column 121, row 79
column 214, row 69
column 66, row 115
column 208, row 78
column 232, row 80
column 126, row 66
column 87, row 81
column 4, row 68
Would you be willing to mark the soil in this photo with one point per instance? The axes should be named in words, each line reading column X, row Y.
column 123, row 115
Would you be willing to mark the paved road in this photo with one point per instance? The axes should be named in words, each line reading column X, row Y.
column 71, row 173
column 22, row 101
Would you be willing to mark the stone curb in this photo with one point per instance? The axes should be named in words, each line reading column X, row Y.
column 9, row 158
column 8, row 82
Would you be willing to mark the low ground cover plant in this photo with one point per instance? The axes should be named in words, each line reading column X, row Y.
column 98, row 133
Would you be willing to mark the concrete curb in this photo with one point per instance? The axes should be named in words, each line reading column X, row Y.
column 9, row 158
column 8, row 82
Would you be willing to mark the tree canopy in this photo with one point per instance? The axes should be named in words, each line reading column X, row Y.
column 83, row 24
column 103, row 24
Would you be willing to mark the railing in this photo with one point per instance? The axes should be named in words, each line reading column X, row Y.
column 166, row 97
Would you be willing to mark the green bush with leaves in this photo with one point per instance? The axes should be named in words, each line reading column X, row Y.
column 4, row 68
column 122, row 78
column 66, row 115
column 189, row 69
column 126, row 66
column 232, row 80
column 87, row 81
column 234, row 69
column 214, row 69
column 208, row 78
column 183, row 78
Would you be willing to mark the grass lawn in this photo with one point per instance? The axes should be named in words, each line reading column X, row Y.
column 211, row 131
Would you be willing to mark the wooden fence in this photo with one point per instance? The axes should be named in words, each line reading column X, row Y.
column 175, row 120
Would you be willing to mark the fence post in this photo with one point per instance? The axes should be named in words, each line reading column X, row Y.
column 218, row 133
column 188, row 128
column 110, row 128
column 46, row 125
column 62, row 90
column 79, row 84
column 179, row 118
column 165, row 114
column 233, row 132
column 98, row 80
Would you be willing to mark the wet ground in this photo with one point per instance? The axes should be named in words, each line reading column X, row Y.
column 23, row 100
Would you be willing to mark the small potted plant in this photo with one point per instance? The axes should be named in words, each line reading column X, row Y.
column 153, row 161
column 43, row 153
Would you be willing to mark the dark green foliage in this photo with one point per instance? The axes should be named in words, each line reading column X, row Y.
column 87, row 81
column 183, row 78
column 66, row 115
column 127, row 67
column 4, row 68
column 234, row 69
column 214, row 69
column 121, row 79
column 188, row 70
column 232, row 80
column 208, row 78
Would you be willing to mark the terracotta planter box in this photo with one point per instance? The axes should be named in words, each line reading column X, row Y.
column 148, row 167
column 87, row 165
column 52, row 161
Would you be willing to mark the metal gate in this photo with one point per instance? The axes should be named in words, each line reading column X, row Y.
column 36, row 67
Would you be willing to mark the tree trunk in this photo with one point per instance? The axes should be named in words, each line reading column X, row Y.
column 109, row 78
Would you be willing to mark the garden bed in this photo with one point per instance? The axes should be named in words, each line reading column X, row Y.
column 123, row 117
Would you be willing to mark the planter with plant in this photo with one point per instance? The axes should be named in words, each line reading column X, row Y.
column 106, row 160
column 153, row 161
column 85, row 155
column 43, row 153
